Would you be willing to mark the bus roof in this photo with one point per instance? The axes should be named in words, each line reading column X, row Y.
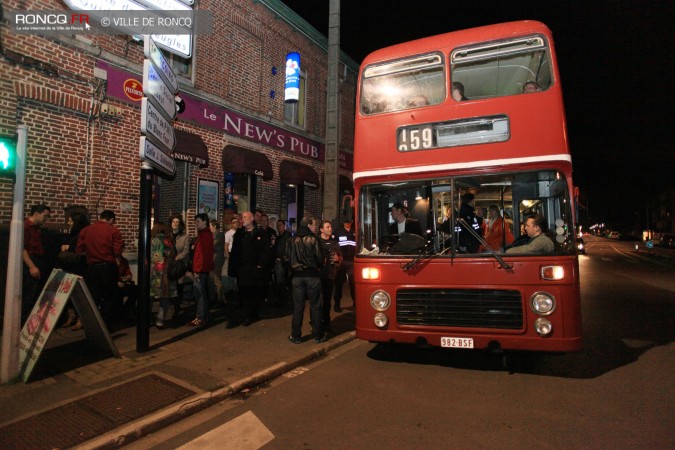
column 456, row 38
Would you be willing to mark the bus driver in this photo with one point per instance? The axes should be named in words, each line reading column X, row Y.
column 535, row 227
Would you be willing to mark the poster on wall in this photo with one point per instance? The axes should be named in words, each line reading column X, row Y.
column 207, row 198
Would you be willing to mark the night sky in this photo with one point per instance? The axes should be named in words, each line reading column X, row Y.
column 616, row 65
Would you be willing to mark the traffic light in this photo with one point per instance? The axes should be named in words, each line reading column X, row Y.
column 8, row 156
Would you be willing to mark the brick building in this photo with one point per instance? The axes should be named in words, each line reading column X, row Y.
column 80, row 96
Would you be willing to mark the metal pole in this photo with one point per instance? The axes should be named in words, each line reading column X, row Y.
column 330, row 188
column 144, row 304
column 9, row 359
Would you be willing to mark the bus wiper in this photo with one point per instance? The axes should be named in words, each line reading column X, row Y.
column 427, row 253
column 480, row 239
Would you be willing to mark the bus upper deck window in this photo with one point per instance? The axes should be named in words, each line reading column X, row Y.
column 500, row 68
column 403, row 84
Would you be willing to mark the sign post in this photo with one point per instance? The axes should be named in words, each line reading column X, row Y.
column 160, row 87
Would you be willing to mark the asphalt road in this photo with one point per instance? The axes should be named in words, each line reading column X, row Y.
column 617, row 393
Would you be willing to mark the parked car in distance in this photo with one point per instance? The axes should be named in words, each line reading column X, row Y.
column 664, row 239
column 581, row 246
column 614, row 235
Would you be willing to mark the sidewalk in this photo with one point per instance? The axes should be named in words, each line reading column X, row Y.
column 80, row 395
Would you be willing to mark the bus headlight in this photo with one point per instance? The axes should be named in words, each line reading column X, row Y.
column 380, row 301
column 542, row 303
column 380, row 320
column 543, row 326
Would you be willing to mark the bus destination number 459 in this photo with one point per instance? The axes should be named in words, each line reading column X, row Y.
column 417, row 137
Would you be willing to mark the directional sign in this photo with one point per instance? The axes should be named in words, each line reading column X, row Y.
column 156, row 157
column 157, row 91
column 154, row 54
column 157, row 127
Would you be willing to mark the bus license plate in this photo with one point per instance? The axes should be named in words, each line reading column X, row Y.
column 456, row 342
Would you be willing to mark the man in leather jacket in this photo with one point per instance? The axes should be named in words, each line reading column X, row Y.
column 306, row 257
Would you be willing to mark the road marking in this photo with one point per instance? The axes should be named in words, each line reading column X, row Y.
column 245, row 432
column 295, row 372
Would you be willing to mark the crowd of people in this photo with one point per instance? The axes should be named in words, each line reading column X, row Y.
column 240, row 269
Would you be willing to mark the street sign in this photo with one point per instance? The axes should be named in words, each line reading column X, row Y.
column 61, row 287
column 154, row 54
column 155, row 125
column 158, row 92
column 156, row 157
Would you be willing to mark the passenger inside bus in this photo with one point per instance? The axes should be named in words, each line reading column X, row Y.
column 418, row 100
column 530, row 86
column 539, row 242
column 403, row 223
column 458, row 91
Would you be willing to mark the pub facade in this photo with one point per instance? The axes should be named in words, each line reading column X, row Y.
column 239, row 145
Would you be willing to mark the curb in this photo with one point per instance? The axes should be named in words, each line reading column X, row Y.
column 133, row 431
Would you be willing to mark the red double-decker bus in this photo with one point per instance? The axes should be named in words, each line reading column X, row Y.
column 461, row 163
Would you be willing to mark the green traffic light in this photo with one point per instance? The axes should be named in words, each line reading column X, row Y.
column 7, row 156
column 4, row 156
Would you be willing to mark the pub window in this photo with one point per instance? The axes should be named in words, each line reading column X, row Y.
column 294, row 112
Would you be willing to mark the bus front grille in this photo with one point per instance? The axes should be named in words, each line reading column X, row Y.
column 468, row 308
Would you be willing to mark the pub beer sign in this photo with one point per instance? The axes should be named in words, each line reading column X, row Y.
column 292, row 91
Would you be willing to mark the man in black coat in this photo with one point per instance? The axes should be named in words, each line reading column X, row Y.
column 306, row 257
column 249, row 264
column 402, row 223
column 468, row 212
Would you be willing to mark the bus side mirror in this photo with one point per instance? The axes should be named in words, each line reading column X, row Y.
column 347, row 209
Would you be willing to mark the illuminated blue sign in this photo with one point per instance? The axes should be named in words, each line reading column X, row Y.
column 292, row 93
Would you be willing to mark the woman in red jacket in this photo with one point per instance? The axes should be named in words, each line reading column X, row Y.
column 202, row 264
column 499, row 232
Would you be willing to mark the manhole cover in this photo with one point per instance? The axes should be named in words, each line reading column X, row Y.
column 91, row 416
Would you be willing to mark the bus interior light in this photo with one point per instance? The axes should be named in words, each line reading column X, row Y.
column 370, row 273
column 552, row 273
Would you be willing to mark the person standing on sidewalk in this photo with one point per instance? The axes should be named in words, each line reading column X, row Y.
column 347, row 242
column 306, row 257
column 163, row 253
column 181, row 241
column 216, row 285
column 202, row 264
column 281, row 276
column 229, row 283
column 34, row 261
column 102, row 243
column 332, row 249
column 249, row 264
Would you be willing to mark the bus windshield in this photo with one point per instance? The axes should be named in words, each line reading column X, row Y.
column 495, row 206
